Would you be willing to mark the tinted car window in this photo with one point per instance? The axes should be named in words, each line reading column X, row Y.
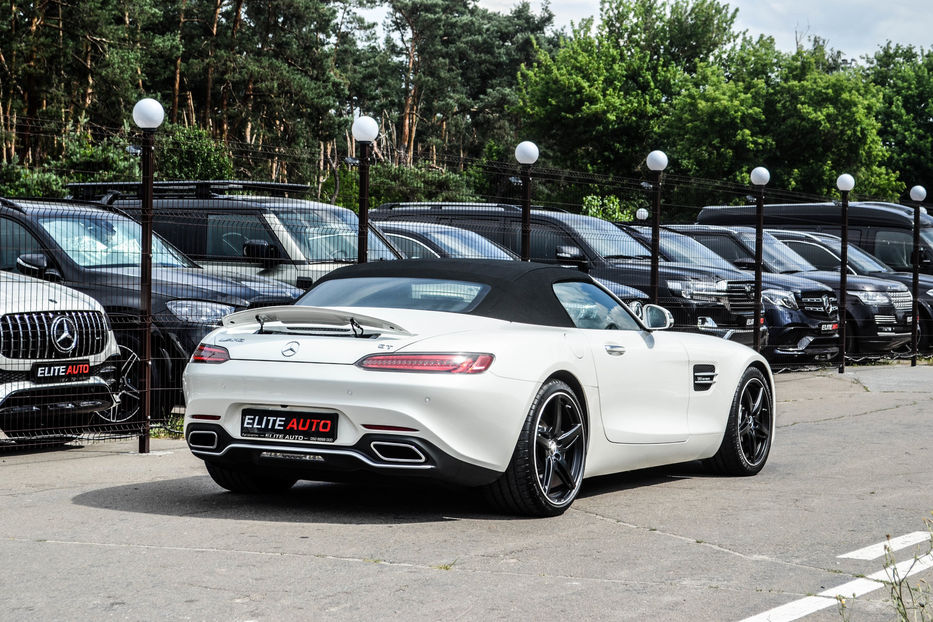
column 815, row 254
column 724, row 246
column 227, row 233
column 15, row 240
column 413, row 249
column 894, row 248
column 590, row 307
column 397, row 293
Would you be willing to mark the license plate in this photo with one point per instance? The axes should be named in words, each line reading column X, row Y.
column 749, row 322
column 61, row 371
column 827, row 328
column 288, row 425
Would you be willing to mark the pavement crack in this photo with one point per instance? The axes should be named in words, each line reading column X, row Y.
column 849, row 415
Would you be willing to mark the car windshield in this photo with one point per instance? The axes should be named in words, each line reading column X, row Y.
column 397, row 293
column 329, row 235
column 466, row 244
column 607, row 239
column 860, row 260
column 777, row 255
column 104, row 240
column 684, row 249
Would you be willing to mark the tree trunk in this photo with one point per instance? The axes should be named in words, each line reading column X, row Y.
column 210, row 67
column 176, row 85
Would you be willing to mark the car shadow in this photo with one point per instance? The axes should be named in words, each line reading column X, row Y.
column 343, row 503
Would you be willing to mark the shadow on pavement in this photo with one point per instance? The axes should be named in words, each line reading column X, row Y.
column 341, row 503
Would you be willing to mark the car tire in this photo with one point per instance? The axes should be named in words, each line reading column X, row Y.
column 129, row 384
column 248, row 482
column 546, row 470
column 746, row 442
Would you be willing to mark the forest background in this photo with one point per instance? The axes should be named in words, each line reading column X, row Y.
column 268, row 90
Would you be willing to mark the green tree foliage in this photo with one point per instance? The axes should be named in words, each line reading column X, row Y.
column 191, row 153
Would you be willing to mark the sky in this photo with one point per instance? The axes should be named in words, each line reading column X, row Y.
column 855, row 27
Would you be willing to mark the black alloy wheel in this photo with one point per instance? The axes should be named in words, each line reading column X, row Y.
column 746, row 441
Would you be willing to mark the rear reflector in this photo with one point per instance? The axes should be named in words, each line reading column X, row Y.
column 388, row 428
column 459, row 363
column 206, row 417
column 210, row 354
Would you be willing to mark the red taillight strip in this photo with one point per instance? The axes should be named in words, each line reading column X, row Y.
column 453, row 363
column 210, row 354
column 206, row 417
column 388, row 428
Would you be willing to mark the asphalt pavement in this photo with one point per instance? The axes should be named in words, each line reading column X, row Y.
column 101, row 532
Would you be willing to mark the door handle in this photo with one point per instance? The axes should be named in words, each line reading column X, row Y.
column 614, row 349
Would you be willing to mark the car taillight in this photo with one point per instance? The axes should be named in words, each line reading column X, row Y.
column 210, row 354
column 460, row 363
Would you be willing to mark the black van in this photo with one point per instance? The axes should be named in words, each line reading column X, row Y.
column 883, row 229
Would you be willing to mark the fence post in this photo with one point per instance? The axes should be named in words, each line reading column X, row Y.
column 844, row 183
column 527, row 154
column 917, row 194
column 759, row 178
column 657, row 162
column 364, row 130
column 148, row 116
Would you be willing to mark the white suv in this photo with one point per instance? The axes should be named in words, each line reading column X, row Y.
column 60, row 366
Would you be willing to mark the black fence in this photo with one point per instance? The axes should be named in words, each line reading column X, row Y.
column 77, row 305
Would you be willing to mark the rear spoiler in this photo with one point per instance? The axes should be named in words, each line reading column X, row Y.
column 309, row 316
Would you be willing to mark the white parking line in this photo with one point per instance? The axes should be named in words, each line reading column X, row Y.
column 895, row 544
column 852, row 589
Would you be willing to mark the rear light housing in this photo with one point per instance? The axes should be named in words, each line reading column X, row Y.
column 435, row 363
column 213, row 355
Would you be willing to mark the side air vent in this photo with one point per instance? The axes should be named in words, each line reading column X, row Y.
column 704, row 376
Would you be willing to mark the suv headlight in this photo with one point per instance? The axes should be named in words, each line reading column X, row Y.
column 199, row 311
column 780, row 298
column 697, row 290
column 871, row 298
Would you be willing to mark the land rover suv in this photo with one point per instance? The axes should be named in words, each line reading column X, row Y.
column 266, row 234
column 59, row 363
column 701, row 299
column 97, row 251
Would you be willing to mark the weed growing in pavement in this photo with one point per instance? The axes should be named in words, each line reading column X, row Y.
column 912, row 602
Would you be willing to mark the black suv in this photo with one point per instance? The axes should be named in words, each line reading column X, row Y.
column 801, row 315
column 704, row 300
column 824, row 251
column 883, row 229
column 96, row 251
column 877, row 311
column 266, row 234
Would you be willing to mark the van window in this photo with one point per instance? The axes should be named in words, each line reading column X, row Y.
column 894, row 248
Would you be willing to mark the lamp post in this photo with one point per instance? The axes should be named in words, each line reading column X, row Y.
column 657, row 162
column 148, row 116
column 917, row 194
column 759, row 178
column 527, row 154
column 844, row 183
column 364, row 130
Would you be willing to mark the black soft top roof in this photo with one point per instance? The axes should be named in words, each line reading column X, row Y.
column 520, row 291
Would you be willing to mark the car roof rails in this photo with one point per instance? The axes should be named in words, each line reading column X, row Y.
column 441, row 206
column 108, row 192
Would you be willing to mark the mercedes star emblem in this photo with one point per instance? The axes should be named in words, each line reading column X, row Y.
column 290, row 349
column 64, row 334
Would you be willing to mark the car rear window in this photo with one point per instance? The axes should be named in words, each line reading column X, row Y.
column 397, row 293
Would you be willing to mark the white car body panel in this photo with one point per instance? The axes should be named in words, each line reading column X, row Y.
column 641, row 406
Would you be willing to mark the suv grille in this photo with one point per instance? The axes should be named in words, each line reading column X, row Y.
column 819, row 304
column 741, row 296
column 903, row 301
column 29, row 335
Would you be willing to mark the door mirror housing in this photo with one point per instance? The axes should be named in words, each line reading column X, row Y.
column 572, row 255
column 657, row 317
column 261, row 250
column 744, row 263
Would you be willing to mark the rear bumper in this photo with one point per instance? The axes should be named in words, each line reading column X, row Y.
column 372, row 456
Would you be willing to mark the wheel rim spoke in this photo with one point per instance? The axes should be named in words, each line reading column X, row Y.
column 547, row 475
column 564, row 475
column 566, row 440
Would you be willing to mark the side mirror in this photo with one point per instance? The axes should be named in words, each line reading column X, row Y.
column 263, row 251
column 744, row 263
column 573, row 255
column 32, row 264
column 657, row 318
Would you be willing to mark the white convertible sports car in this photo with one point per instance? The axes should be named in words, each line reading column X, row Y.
column 518, row 377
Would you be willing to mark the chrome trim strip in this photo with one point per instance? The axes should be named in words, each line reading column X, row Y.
column 314, row 450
